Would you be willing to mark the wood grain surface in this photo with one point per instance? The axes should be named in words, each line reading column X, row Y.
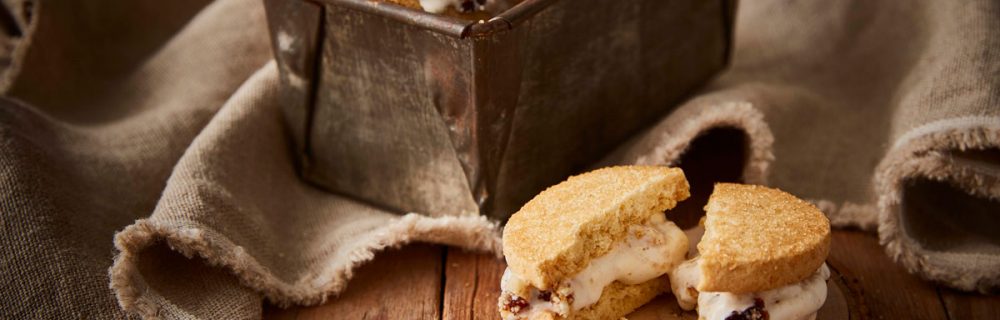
column 433, row 282
column 398, row 284
column 472, row 285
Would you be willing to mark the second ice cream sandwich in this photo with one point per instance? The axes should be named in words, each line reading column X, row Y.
column 761, row 257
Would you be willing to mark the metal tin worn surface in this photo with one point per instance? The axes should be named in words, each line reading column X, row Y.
column 294, row 27
column 422, row 113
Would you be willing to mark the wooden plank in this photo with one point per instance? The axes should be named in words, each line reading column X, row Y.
column 883, row 289
column 472, row 285
column 873, row 286
column 398, row 284
column 964, row 305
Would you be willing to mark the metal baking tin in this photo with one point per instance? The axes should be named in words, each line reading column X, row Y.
column 417, row 112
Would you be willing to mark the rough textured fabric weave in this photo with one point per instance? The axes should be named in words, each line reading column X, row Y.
column 158, row 121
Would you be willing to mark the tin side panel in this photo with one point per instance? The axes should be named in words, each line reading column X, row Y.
column 596, row 72
column 294, row 27
column 379, row 129
column 682, row 52
column 497, row 74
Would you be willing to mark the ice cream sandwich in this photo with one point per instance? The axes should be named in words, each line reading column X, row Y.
column 596, row 246
column 469, row 9
column 761, row 257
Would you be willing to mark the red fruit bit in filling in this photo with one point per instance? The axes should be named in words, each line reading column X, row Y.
column 756, row 312
column 545, row 296
column 468, row 6
column 516, row 304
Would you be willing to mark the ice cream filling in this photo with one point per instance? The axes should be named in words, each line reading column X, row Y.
column 791, row 302
column 439, row 6
column 649, row 251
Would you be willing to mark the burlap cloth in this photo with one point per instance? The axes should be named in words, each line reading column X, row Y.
column 158, row 121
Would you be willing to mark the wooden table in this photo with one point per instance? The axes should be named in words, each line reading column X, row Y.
column 433, row 282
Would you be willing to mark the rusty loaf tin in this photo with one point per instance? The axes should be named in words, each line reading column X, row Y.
column 417, row 112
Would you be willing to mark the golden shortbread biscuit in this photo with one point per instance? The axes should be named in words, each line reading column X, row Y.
column 758, row 238
column 556, row 234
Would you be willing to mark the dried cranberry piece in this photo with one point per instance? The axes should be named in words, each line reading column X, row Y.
column 756, row 312
column 545, row 296
column 468, row 6
column 516, row 304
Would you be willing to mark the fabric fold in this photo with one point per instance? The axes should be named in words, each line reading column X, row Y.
column 235, row 201
column 875, row 107
column 954, row 244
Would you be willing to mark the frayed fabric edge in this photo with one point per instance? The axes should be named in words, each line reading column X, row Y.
column 849, row 214
column 475, row 233
column 742, row 115
column 917, row 155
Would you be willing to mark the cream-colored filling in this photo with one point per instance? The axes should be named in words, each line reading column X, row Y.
column 683, row 282
column 651, row 250
column 439, row 6
column 685, row 277
column 797, row 301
